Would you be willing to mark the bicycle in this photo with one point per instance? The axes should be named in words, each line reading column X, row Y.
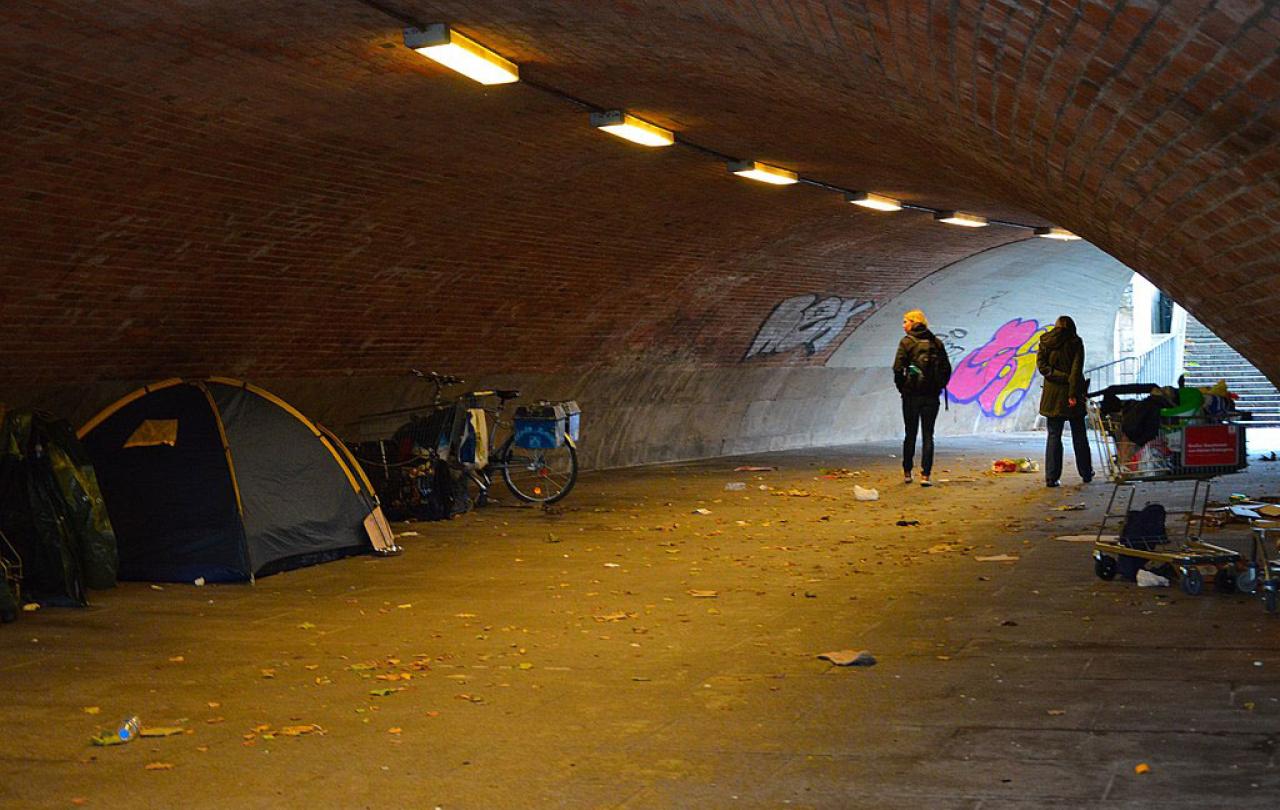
column 459, row 434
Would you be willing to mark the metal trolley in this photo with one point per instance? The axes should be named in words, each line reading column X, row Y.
column 1196, row 449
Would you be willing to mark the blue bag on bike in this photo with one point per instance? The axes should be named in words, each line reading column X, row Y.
column 547, row 425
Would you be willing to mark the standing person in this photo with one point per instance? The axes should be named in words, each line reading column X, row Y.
column 921, row 371
column 1061, row 360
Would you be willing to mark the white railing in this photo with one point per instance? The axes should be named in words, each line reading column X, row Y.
column 1157, row 366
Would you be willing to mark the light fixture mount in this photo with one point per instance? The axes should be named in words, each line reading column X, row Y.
column 627, row 126
column 763, row 172
column 876, row 202
column 1054, row 232
column 459, row 52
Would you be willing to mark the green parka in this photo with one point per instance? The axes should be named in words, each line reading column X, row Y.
column 1061, row 360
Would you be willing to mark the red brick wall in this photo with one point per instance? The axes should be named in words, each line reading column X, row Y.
column 275, row 189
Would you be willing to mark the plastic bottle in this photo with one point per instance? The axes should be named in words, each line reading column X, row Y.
column 129, row 728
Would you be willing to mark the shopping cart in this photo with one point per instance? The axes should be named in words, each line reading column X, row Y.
column 1186, row 448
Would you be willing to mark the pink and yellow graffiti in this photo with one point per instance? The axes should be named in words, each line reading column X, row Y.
column 998, row 374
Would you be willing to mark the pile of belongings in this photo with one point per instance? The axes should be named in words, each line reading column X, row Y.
column 52, row 514
column 1141, row 421
column 1010, row 465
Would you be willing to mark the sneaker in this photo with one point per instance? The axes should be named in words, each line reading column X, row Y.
column 906, row 479
column 1087, row 478
column 1052, row 484
column 925, row 482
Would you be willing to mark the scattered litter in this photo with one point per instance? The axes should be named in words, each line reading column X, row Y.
column 1056, row 712
column 1142, row 768
column 1146, row 579
column 198, row 582
column 156, row 588
column 701, row 594
column 944, row 548
column 998, row 558
column 793, row 492
column 735, row 486
column 749, row 468
column 865, row 494
column 161, row 731
column 837, row 473
column 1008, row 623
column 92, row 710
column 299, row 731
column 159, row 766
column 108, row 738
column 701, row 511
column 406, row 534
column 1085, row 538
column 1070, row 507
column 30, row 607
column 908, row 522
column 849, row 658
column 1011, row 465
column 612, row 565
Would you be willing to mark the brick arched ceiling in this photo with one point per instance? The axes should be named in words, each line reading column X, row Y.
column 276, row 188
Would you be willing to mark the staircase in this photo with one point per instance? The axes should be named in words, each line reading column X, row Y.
column 1208, row 359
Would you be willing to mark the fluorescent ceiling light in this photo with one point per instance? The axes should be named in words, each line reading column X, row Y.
column 960, row 218
column 877, row 202
column 442, row 44
column 617, row 122
column 1056, row 233
column 763, row 172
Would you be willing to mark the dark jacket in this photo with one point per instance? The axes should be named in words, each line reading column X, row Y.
column 920, row 349
column 1061, row 360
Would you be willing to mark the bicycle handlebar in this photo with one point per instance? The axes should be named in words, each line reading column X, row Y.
column 439, row 379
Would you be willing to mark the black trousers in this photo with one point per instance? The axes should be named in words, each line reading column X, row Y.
column 918, row 412
column 1053, row 448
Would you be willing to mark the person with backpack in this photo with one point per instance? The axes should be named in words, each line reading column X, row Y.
column 921, row 371
column 1060, row 359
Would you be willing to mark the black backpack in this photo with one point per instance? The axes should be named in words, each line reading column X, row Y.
column 935, row 368
column 1143, row 529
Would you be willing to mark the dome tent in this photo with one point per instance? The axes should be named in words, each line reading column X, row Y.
column 219, row 479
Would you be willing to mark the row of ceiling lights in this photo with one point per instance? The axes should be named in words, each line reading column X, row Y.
column 458, row 52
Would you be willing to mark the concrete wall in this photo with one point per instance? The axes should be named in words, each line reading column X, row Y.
column 990, row 309
column 642, row 413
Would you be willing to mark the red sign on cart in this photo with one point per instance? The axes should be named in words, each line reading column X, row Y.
column 1210, row 446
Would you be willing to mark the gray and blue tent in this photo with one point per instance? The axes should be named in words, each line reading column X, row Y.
column 219, row 479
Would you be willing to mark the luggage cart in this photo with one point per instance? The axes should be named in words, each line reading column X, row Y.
column 1195, row 449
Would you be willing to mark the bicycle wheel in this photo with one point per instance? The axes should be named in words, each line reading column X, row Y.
column 538, row 476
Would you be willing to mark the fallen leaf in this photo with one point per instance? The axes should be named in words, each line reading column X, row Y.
column 159, row 766
column 107, row 738
column 849, row 658
column 160, row 731
column 1056, row 712
column 268, row 673
column 298, row 731
column 30, row 607
column 405, row 606
column 525, row 665
column 998, row 558
column 1141, row 768
column 394, row 730
column 92, row 709
column 306, row 626
column 384, row 692
column 177, row 659
column 701, row 594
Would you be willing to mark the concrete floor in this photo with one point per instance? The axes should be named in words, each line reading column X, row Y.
column 560, row 660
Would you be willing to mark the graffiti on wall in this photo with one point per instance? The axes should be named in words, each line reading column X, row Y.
column 951, row 341
column 998, row 374
column 808, row 322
